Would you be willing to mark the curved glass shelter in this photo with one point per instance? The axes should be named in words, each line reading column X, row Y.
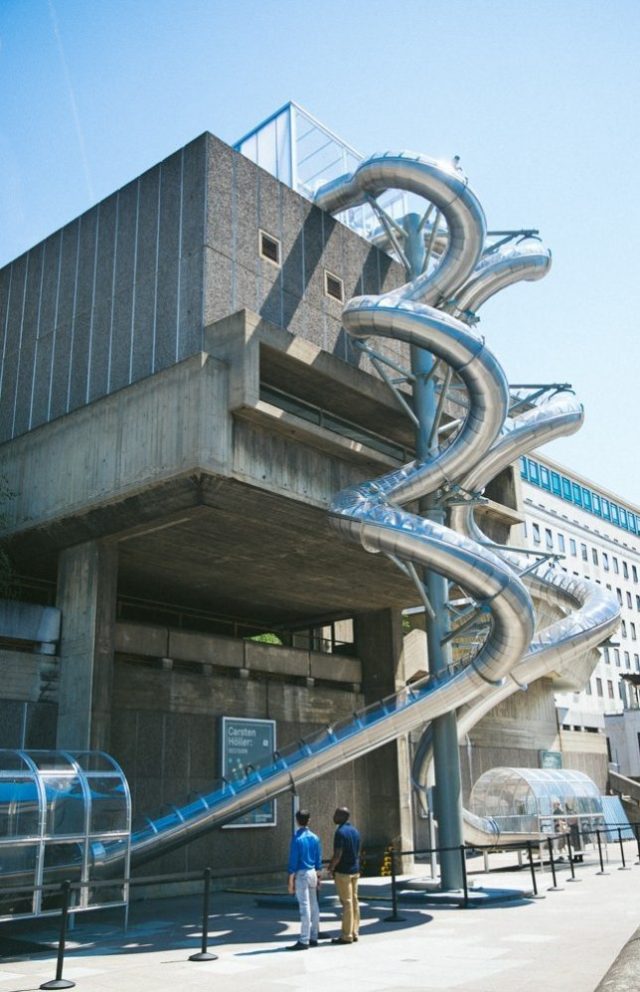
column 57, row 809
column 539, row 800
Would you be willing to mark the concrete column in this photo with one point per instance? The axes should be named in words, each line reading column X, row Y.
column 379, row 642
column 86, row 595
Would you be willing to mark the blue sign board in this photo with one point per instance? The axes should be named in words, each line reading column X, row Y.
column 248, row 742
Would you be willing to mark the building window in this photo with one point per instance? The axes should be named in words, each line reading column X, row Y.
column 333, row 286
column 629, row 600
column 619, row 595
column 599, row 686
column 633, row 631
column 607, row 659
column 634, row 573
column 583, row 552
column 588, row 688
column 627, row 661
column 536, row 534
column 625, row 570
column 616, row 655
column 548, row 539
column 594, row 556
column 623, row 627
column 636, row 661
column 610, row 689
column 605, row 561
column 622, row 693
column 561, row 542
column 572, row 547
column 638, row 603
column 269, row 248
column 616, row 567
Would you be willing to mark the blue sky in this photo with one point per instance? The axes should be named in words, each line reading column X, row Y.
column 539, row 98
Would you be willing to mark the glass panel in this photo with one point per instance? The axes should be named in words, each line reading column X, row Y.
column 605, row 509
column 95, row 761
column 108, row 805
column 523, row 468
column 19, row 858
column 19, row 808
column 283, row 145
column 623, row 517
column 65, row 805
column 555, row 483
column 586, row 499
column 597, row 509
column 566, row 488
column 533, row 472
column 614, row 513
column 51, row 761
column 577, row 494
column 12, row 761
column 544, row 477
column 103, row 895
column 62, row 862
column 267, row 149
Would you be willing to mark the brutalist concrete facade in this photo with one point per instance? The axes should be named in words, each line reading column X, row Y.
column 153, row 469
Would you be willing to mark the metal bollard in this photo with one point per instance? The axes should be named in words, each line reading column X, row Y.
column 555, row 887
column 59, row 982
column 204, row 954
column 602, row 871
column 394, row 918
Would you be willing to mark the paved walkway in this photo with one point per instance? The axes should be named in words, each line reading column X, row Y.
column 566, row 942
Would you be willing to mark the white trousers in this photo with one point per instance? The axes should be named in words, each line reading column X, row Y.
column 307, row 896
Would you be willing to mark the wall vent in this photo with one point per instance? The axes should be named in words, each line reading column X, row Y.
column 333, row 287
column 269, row 248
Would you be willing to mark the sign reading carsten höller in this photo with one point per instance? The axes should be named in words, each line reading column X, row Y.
column 248, row 742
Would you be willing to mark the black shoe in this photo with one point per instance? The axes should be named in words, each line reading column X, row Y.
column 355, row 938
column 299, row 946
column 340, row 940
column 313, row 943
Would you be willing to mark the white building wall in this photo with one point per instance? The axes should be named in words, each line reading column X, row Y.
column 571, row 522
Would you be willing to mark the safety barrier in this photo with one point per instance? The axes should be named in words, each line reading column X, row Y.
column 66, row 888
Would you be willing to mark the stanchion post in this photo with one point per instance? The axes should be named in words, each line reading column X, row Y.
column 534, row 881
column 465, row 883
column 555, row 887
column 571, row 865
column 602, row 871
column 623, row 866
column 59, row 982
column 394, row 918
column 204, row 954
column 636, row 830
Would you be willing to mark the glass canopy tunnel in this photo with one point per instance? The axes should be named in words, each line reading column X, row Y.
column 56, row 809
column 539, row 801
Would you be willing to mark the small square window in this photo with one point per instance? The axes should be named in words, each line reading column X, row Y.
column 333, row 287
column 269, row 248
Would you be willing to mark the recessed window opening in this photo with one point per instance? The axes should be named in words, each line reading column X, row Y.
column 269, row 248
column 333, row 286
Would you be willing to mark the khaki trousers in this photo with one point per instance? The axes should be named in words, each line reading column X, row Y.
column 347, row 886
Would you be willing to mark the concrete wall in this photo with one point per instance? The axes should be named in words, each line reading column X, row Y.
column 126, row 289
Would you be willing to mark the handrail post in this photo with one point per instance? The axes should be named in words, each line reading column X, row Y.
column 394, row 918
column 203, row 954
column 59, row 982
column 602, row 871
column 555, row 887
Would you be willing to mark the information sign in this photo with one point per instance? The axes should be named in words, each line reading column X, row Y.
column 248, row 742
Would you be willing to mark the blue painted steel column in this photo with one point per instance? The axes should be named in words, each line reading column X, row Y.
column 448, row 790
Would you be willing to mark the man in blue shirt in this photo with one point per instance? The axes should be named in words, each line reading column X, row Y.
column 305, row 863
column 345, row 865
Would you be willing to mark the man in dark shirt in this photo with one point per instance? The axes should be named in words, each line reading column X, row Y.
column 345, row 867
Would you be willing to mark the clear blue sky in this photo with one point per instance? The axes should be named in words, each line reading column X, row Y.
column 540, row 98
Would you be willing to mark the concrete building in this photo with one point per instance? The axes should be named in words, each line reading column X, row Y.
column 178, row 404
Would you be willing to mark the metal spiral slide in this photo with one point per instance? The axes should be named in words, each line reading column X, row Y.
column 434, row 311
